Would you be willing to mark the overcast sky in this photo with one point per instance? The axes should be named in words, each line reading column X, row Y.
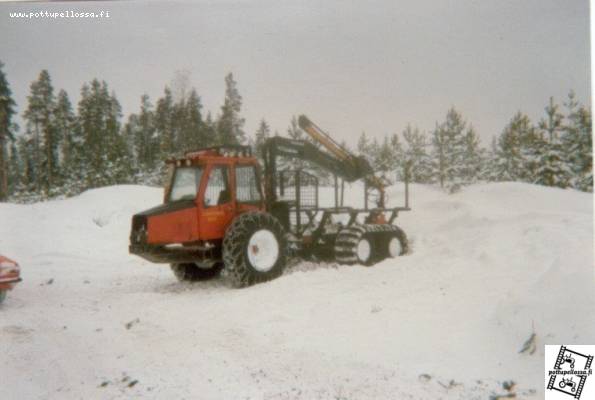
column 370, row 66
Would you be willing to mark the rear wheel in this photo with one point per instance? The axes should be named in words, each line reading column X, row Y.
column 354, row 246
column 190, row 272
column 2, row 295
column 254, row 249
column 396, row 244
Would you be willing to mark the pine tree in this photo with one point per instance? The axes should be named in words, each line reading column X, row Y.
column 450, row 148
column 7, row 111
column 552, row 170
column 230, row 123
column 164, row 124
column 515, row 151
column 577, row 144
column 383, row 158
column 416, row 155
column 41, row 126
column 368, row 148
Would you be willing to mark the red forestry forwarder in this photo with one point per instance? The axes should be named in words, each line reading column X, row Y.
column 215, row 216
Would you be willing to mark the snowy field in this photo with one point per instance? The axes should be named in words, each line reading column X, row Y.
column 489, row 266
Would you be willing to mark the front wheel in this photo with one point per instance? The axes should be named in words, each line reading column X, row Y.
column 254, row 249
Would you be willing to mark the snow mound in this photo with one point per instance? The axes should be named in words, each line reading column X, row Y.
column 489, row 266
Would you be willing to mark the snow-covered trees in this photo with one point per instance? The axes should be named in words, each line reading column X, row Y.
column 41, row 131
column 7, row 111
column 415, row 154
column 577, row 143
column 262, row 134
column 553, row 170
column 65, row 151
column 456, row 153
column 231, row 123
column 514, row 151
column 107, row 158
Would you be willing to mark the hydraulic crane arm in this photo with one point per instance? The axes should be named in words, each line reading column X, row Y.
column 335, row 159
column 282, row 147
column 358, row 164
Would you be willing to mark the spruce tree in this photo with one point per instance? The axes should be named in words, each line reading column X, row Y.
column 65, row 125
column 449, row 150
column 515, row 151
column 140, row 130
column 192, row 135
column 552, row 170
column 415, row 154
column 577, row 144
column 383, row 158
column 472, row 158
column 7, row 111
column 397, row 164
column 260, row 137
column 210, row 129
column 230, row 122
column 164, row 124
column 106, row 154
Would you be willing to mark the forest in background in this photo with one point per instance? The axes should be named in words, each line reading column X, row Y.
column 64, row 149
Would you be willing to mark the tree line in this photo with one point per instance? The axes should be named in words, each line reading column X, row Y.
column 556, row 151
column 64, row 149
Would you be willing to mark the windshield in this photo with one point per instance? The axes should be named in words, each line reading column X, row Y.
column 185, row 183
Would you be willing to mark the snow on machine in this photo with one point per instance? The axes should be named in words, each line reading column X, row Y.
column 10, row 275
column 218, row 216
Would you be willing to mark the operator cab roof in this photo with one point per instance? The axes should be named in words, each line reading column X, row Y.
column 212, row 152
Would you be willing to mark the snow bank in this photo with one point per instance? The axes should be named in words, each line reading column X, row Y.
column 489, row 266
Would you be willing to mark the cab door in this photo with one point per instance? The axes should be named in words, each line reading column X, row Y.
column 216, row 203
column 247, row 188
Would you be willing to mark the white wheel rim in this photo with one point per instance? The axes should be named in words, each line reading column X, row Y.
column 363, row 250
column 263, row 250
column 394, row 247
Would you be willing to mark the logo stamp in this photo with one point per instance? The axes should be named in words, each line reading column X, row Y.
column 568, row 371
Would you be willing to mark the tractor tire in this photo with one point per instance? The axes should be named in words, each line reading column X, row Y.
column 395, row 243
column 2, row 295
column 254, row 249
column 354, row 246
column 190, row 272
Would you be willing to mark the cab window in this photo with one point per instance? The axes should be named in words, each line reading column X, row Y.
column 185, row 183
column 247, row 190
column 217, row 191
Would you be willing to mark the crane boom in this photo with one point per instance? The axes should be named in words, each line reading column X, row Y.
column 359, row 164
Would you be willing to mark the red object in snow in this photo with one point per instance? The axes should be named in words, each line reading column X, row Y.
column 10, row 275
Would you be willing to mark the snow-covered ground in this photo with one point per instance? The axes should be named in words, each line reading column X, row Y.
column 489, row 266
